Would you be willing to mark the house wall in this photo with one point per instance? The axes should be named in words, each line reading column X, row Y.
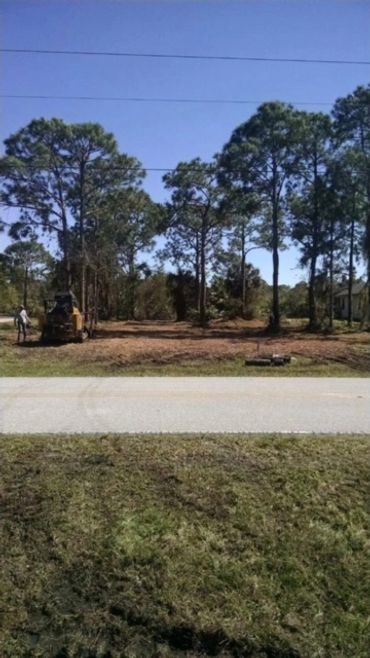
column 358, row 307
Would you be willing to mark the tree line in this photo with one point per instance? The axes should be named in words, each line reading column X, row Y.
column 284, row 176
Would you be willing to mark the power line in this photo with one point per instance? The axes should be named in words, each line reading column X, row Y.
column 139, row 167
column 144, row 99
column 227, row 58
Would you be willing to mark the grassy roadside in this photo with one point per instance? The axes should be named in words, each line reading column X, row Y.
column 299, row 367
column 185, row 546
column 15, row 363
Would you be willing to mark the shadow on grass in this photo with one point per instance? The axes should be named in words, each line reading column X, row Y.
column 199, row 334
column 38, row 343
column 190, row 333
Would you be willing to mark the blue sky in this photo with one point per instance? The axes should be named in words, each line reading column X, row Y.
column 161, row 135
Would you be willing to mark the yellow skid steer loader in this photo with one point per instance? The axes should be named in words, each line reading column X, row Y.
column 62, row 320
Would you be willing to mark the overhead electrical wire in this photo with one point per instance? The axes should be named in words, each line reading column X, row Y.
column 225, row 58
column 141, row 168
column 145, row 99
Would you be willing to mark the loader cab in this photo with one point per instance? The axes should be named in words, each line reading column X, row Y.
column 62, row 319
column 65, row 303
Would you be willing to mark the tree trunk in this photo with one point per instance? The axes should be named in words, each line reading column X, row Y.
column 331, row 276
column 367, row 231
column 197, row 273
column 350, row 272
column 82, row 238
column 25, row 287
column 131, row 289
column 118, row 306
column 275, row 316
column 368, row 261
column 275, row 324
column 311, row 296
column 180, row 300
column 65, row 236
column 66, row 253
column 202, row 297
column 312, row 282
column 93, row 320
column 242, row 272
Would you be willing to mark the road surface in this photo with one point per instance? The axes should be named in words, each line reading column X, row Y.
column 184, row 404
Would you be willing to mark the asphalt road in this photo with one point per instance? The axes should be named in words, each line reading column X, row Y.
column 184, row 404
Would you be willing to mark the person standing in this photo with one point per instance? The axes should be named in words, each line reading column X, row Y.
column 22, row 322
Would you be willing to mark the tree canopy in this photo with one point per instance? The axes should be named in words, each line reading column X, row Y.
column 283, row 177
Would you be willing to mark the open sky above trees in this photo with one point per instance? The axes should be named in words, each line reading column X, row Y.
column 162, row 134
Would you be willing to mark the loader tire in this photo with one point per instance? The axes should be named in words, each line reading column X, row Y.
column 83, row 336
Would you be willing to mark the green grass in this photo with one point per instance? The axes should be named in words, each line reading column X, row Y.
column 116, row 547
column 17, row 361
column 300, row 367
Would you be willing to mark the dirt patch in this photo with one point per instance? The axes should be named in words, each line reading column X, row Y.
column 120, row 344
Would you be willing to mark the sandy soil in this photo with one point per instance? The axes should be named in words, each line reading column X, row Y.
column 122, row 343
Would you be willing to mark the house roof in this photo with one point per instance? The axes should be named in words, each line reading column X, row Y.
column 357, row 288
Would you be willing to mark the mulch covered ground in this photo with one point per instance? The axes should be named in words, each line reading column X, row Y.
column 130, row 343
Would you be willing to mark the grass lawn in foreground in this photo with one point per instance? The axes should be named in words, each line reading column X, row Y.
column 161, row 546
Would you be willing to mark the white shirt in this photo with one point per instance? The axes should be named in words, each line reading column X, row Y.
column 23, row 316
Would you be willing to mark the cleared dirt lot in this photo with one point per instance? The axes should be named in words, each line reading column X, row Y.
column 135, row 342
column 120, row 345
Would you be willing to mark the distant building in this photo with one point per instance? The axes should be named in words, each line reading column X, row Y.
column 359, row 302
